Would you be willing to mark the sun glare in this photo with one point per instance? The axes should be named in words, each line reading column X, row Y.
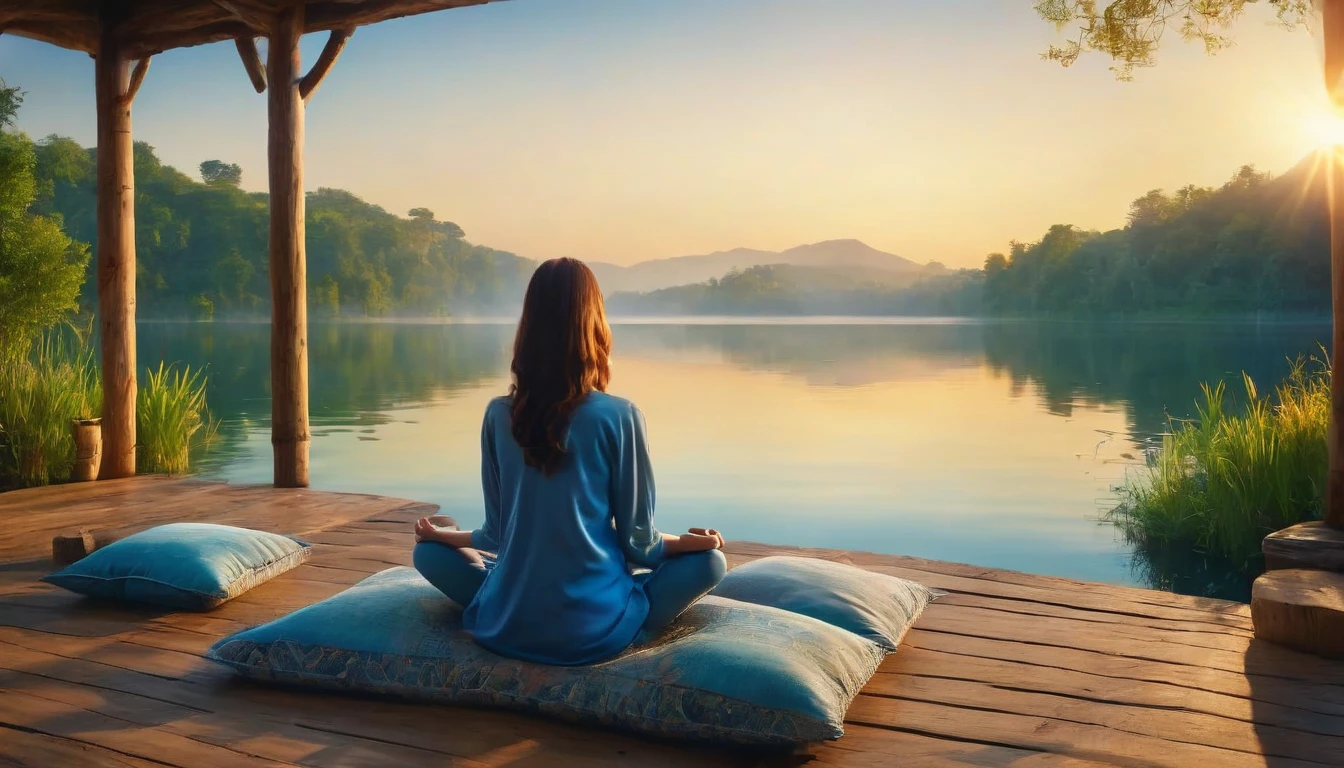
column 1326, row 128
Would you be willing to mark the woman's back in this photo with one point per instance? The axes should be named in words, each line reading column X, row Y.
column 561, row 591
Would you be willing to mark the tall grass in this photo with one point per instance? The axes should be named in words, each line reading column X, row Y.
column 40, row 395
column 1221, row 482
column 58, row 382
column 172, row 419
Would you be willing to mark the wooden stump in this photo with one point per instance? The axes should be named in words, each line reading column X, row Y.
column 1308, row 545
column 1300, row 609
column 67, row 548
column 88, row 436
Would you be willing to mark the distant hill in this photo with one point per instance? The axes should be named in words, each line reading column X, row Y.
column 790, row 289
column 833, row 255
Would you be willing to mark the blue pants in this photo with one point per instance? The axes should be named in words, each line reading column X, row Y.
column 671, row 587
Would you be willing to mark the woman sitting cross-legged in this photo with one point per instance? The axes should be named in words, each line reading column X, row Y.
column 569, row 500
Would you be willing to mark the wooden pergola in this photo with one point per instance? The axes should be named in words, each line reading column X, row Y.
column 117, row 33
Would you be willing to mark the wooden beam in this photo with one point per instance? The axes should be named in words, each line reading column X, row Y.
column 146, row 41
column 341, row 14
column 335, row 44
column 116, row 256
column 1333, row 32
column 137, row 77
column 288, row 270
column 250, row 16
column 153, row 27
column 256, row 71
column 78, row 36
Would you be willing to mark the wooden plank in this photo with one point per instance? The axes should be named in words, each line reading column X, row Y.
column 1043, row 610
column 489, row 736
column 26, row 749
column 288, row 269
column 293, row 511
column 1315, row 697
column 25, row 711
column 1066, row 634
column 272, row 740
column 1068, row 588
column 1172, row 724
column 1001, row 619
column 1013, row 675
column 871, row 747
column 1049, row 734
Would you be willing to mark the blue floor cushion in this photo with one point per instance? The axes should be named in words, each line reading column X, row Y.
column 872, row 605
column 726, row 671
column 183, row 566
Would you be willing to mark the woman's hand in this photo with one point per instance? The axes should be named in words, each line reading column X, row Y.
column 426, row 530
column 694, row 540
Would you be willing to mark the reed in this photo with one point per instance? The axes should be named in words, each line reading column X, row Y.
column 172, row 420
column 1219, row 483
column 43, row 392
column 40, row 394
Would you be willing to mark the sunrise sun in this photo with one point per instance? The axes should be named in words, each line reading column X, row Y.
column 1326, row 127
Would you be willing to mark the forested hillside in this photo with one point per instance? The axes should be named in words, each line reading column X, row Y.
column 201, row 245
column 1257, row 244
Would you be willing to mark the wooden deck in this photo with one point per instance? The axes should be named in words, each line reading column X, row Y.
column 1008, row 670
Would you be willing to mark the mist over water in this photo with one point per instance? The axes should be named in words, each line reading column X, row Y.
column 997, row 444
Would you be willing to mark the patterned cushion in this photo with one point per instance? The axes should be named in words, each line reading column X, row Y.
column 872, row 605
column 725, row 671
column 187, row 566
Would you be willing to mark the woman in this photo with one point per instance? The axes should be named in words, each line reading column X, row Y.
column 569, row 501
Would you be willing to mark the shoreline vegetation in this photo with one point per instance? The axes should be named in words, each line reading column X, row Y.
column 1222, row 481
column 57, row 382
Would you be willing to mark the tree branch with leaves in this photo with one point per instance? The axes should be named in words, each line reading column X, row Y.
column 1130, row 31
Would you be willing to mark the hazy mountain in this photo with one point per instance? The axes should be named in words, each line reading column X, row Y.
column 833, row 255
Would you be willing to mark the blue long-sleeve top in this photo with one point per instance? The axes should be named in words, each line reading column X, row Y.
column 561, row 590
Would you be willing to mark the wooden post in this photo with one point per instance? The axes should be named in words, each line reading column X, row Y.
column 1332, row 12
column 289, row 295
column 116, row 254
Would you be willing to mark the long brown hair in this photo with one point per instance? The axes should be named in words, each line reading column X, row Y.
column 561, row 353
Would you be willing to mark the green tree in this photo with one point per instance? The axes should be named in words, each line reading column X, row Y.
column 1130, row 31
column 41, row 269
column 204, row 307
column 218, row 173
column 233, row 275
column 326, row 300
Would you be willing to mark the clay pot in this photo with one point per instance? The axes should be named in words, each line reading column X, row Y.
column 88, row 434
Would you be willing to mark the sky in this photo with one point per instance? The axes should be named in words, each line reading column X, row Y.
column 625, row 130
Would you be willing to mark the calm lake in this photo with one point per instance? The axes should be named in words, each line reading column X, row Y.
column 997, row 444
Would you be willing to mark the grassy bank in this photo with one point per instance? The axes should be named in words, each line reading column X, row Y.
column 1221, row 482
column 58, row 381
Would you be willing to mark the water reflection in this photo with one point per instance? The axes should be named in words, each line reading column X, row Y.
column 994, row 443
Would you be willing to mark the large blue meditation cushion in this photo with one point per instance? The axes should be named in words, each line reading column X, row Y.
column 726, row 671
